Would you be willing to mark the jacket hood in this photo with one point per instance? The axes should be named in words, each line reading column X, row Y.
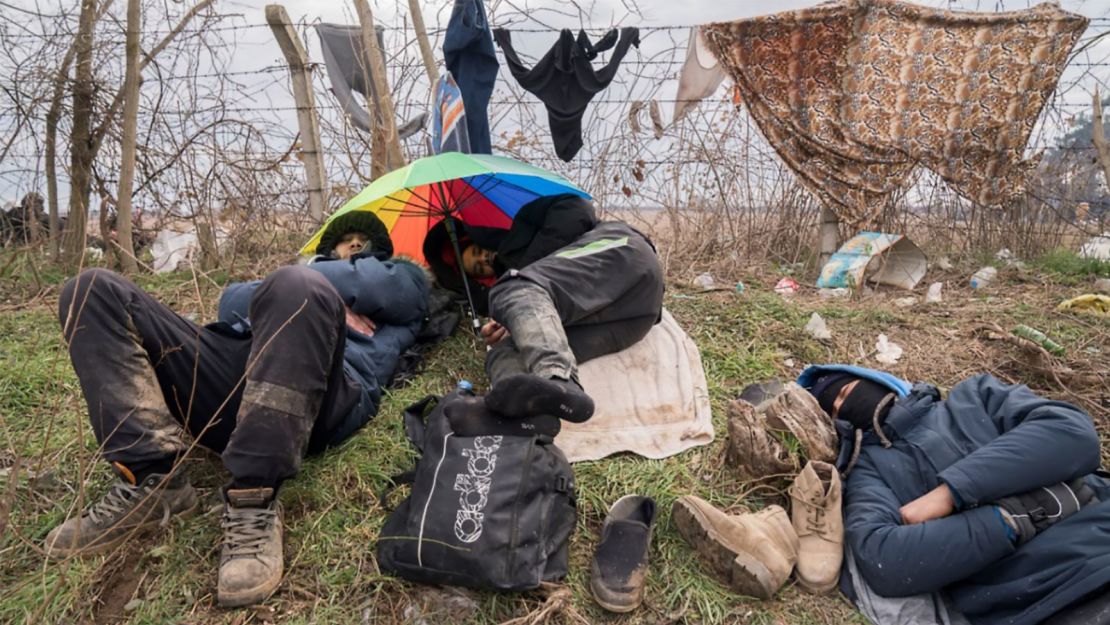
column 899, row 386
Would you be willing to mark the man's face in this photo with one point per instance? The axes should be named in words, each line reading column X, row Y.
column 478, row 262
column 350, row 244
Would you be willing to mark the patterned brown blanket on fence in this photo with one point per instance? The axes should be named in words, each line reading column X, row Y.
column 854, row 94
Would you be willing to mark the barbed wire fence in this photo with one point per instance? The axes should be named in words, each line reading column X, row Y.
column 219, row 142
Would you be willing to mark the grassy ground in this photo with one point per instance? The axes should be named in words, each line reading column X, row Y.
column 332, row 509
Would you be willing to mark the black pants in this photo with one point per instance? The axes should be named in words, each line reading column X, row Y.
column 148, row 374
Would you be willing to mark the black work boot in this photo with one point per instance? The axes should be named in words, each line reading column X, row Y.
column 621, row 561
column 526, row 395
column 470, row 416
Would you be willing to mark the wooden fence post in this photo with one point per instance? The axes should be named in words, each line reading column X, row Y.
column 297, row 59
column 828, row 235
column 425, row 45
column 130, row 139
column 1098, row 137
column 384, row 114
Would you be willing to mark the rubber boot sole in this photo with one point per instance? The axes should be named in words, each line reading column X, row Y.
column 526, row 395
column 738, row 569
column 634, row 602
column 143, row 529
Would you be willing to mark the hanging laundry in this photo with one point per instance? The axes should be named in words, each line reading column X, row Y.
column 565, row 80
column 700, row 76
column 344, row 61
column 634, row 115
column 470, row 57
column 854, row 94
column 449, row 131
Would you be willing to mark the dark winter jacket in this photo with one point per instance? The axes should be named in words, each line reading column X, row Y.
column 540, row 228
column 392, row 293
column 986, row 441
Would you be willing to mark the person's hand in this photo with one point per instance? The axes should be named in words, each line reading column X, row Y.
column 360, row 323
column 493, row 332
column 935, row 504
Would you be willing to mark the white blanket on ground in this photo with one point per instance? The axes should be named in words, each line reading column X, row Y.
column 652, row 399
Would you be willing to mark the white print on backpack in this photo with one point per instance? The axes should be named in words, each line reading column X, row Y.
column 474, row 487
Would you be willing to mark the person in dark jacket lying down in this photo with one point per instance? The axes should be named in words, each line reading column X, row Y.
column 563, row 288
column 989, row 497
column 295, row 364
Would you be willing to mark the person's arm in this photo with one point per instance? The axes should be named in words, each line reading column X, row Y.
column 899, row 560
column 392, row 292
column 1042, row 442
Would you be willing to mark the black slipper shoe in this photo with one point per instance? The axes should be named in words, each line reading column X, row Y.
column 620, row 565
column 525, row 395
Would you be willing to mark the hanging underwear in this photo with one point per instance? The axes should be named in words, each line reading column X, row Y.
column 565, row 80
column 700, row 76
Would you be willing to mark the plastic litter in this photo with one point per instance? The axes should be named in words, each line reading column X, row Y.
column 983, row 277
column 1038, row 337
column 905, row 302
column 834, row 293
column 787, row 286
column 705, row 282
column 933, row 294
column 875, row 257
column 818, row 329
column 1091, row 303
column 1098, row 247
column 944, row 263
column 740, row 288
column 887, row 351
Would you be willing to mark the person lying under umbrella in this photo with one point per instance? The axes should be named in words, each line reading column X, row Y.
column 991, row 498
column 563, row 288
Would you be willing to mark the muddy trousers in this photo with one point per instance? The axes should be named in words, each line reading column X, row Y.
column 597, row 296
column 149, row 375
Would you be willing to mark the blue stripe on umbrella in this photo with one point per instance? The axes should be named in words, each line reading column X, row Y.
column 509, row 192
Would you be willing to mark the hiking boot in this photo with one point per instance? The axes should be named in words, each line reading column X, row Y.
column 752, row 554
column 621, row 561
column 815, row 511
column 526, row 395
column 126, row 510
column 251, row 555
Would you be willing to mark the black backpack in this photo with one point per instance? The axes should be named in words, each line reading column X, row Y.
column 489, row 512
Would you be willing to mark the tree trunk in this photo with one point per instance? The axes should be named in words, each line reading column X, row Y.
column 1098, row 137
column 422, row 39
column 386, row 117
column 130, row 138
column 81, row 152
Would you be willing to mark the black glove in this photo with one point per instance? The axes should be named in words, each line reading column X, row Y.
column 1035, row 511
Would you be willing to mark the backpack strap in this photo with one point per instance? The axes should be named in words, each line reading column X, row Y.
column 408, row 477
column 416, row 416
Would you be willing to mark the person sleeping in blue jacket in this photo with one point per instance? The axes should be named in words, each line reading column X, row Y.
column 295, row 364
column 990, row 498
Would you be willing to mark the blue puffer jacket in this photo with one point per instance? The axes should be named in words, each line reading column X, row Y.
column 393, row 293
column 986, row 441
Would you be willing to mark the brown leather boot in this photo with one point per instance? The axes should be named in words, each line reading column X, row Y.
column 251, row 556
column 751, row 553
column 815, row 510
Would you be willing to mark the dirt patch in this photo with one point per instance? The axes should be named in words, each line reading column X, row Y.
column 121, row 580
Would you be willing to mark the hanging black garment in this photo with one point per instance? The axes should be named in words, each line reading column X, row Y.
column 565, row 80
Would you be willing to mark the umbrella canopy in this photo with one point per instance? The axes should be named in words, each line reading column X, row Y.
column 478, row 189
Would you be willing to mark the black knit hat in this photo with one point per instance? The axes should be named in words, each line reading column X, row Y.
column 858, row 404
column 366, row 222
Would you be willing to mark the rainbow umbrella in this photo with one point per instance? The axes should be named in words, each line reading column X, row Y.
column 477, row 189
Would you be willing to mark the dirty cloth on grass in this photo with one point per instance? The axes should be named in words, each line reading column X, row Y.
column 854, row 94
column 565, row 79
column 651, row 399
